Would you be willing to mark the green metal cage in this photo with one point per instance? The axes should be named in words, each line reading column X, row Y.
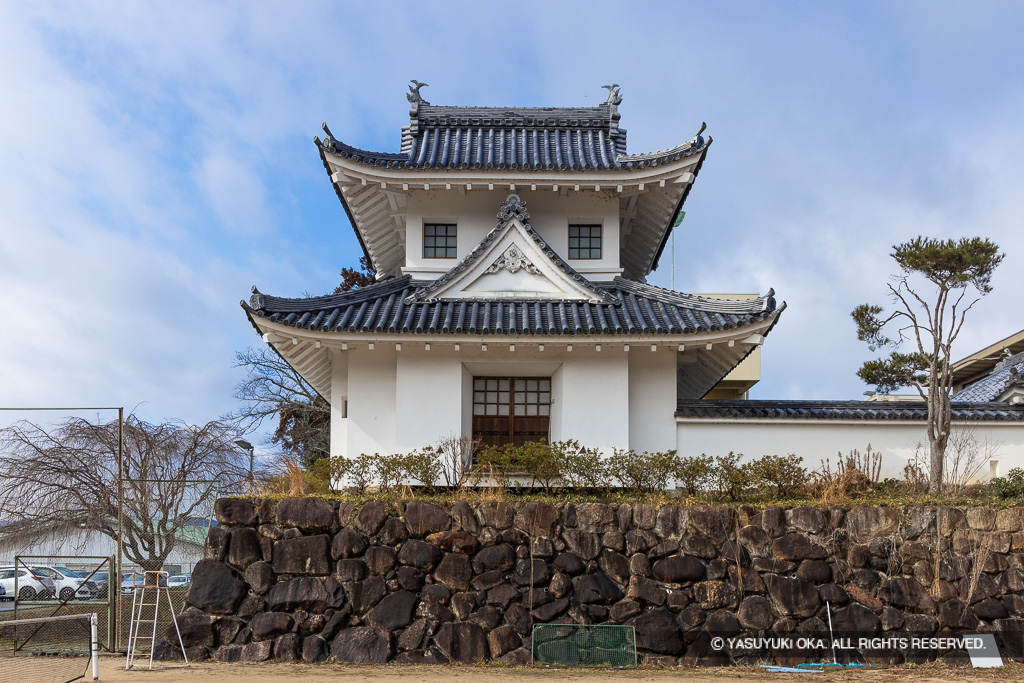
column 579, row 645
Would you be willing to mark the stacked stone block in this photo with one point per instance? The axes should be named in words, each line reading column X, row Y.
column 308, row 579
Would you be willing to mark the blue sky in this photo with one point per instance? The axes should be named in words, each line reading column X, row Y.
column 156, row 160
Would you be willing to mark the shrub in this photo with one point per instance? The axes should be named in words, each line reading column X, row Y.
column 355, row 473
column 730, row 478
column 694, row 473
column 642, row 472
column 1010, row 486
column 783, row 472
column 424, row 466
column 581, row 467
column 390, row 470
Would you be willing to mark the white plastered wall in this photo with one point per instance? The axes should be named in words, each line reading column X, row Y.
column 475, row 212
column 339, row 397
column 816, row 440
column 371, row 403
column 652, row 398
column 403, row 400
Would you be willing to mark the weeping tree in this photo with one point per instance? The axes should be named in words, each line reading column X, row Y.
column 930, row 299
column 58, row 481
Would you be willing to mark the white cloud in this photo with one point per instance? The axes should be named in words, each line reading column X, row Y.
column 155, row 161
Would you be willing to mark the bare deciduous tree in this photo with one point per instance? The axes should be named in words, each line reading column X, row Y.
column 66, row 478
column 272, row 388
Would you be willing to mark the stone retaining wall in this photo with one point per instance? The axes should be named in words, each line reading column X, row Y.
column 311, row 579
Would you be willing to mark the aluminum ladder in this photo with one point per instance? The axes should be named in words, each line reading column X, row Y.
column 143, row 596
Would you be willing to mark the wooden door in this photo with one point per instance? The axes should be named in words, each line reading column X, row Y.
column 511, row 410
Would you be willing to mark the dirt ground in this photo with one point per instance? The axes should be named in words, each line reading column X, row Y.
column 112, row 669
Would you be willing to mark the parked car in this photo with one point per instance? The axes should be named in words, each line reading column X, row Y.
column 32, row 585
column 179, row 581
column 102, row 585
column 69, row 584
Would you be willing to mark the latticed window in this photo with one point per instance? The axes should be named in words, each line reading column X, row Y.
column 584, row 241
column 511, row 409
column 439, row 241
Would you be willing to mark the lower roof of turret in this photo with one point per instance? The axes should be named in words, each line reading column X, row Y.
column 638, row 309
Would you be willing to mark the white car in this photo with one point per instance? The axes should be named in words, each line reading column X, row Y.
column 69, row 584
column 31, row 584
column 179, row 581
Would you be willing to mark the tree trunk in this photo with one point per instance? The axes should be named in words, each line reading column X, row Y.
column 937, row 455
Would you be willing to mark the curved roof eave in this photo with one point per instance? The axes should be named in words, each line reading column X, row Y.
column 344, row 204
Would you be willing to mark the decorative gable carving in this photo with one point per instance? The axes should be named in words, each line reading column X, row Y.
column 512, row 261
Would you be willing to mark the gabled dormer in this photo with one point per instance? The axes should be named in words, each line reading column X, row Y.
column 421, row 210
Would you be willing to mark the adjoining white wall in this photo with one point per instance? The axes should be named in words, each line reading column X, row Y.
column 816, row 440
column 476, row 211
column 652, row 398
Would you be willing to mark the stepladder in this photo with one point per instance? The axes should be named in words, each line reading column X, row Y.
column 143, row 631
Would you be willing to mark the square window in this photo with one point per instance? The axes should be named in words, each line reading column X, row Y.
column 440, row 241
column 584, row 241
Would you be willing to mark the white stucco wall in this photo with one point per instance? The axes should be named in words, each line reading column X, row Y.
column 815, row 440
column 652, row 398
column 372, row 400
column 475, row 212
column 401, row 400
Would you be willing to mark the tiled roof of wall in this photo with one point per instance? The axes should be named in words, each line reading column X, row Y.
column 841, row 410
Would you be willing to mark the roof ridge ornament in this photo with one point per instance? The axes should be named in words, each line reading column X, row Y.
column 614, row 96
column 330, row 143
column 513, row 206
column 256, row 301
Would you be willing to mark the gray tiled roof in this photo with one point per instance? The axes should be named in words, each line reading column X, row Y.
column 1006, row 372
column 635, row 309
column 842, row 410
column 542, row 138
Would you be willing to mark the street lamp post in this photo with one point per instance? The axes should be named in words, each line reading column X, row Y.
column 246, row 446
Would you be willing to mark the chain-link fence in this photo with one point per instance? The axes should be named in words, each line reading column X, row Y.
column 153, row 539
column 53, row 649
column 47, row 586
